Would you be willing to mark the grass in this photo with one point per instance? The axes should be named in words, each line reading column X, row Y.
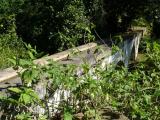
column 10, row 46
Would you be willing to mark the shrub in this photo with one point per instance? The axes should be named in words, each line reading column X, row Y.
column 53, row 25
column 10, row 45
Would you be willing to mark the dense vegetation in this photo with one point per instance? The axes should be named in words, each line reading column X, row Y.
column 133, row 92
column 53, row 25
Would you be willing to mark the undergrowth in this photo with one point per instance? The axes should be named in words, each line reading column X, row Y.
column 10, row 47
column 134, row 92
column 10, row 44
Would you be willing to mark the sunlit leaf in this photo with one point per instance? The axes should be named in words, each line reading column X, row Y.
column 68, row 116
column 16, row 90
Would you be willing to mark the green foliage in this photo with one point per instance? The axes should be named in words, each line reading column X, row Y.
column 140, row 22
column 82, row 89
column 10, row 7
column 60, row 24
column 153, row 53
column 67, row 114
column 26, row 95
column 10, row 47
column 118, row 39
column 133, row 92
column 76, row 26
column 48, row 25
column 23, row 116
column 53, row 25
column 117, row 15
column 10, row 44
column 20, row 99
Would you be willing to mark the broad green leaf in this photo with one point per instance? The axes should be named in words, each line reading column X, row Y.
column 27, row 76
column 35, row 73
column 32, row 93
column 23, row 116
column 42, row 117
column 13, row 61
column 31, row 55
column 14, row 101
column 157, row 92
column 29, row 46
column 147, row 98
column 25, row 98
column 16, row 90
column 23, row 62
column 67, row 116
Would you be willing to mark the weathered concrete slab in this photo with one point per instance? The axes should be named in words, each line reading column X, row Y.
column 64, row 54
column 91, row 55
column 10, row 73
column 9, row 77
column 7, row 74
column 15, row 81
column 140, row 29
